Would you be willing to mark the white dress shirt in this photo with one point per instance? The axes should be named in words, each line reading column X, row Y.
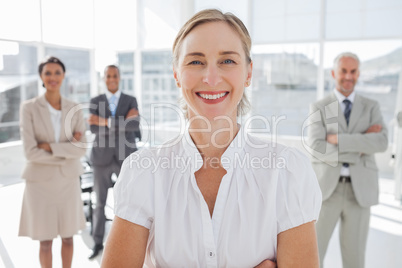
column 55, row 117
column 344, row 170
column 116, row 94
column 265, row 191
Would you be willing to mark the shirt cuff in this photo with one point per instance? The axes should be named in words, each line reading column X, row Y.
column 109, row 122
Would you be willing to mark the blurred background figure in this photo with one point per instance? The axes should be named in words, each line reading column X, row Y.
column 114, row 119
column 52, row 204
column 346, row 169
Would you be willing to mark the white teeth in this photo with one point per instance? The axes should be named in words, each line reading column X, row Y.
column 212, row 97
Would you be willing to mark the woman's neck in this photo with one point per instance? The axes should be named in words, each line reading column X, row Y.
column 54, row 99
column 212, row 137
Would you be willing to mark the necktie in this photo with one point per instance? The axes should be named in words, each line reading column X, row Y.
column 112, row 105
column 348, row 109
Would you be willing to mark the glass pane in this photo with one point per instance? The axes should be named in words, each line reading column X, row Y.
column 115, row 24
column 237, row 7
column 343, row 25
column 68, row 23
column 280, row 21
column 343, row 5
column 306, row 6
column 363, row 19
column 19, row 20
column 160, row 88
column 161, row 23
column 374, row 4
column 379, row 70
column 18, row 82
column 282, row 73
column 383, row 23
column 309, row 23
column 126, row 66
column 76, row 84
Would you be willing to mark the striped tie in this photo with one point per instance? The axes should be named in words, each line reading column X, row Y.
column 348, row 109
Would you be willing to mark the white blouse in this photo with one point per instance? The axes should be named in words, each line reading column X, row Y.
column 268, row 189
column 55, row 117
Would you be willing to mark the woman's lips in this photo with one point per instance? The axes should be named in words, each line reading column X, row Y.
column 212, row 97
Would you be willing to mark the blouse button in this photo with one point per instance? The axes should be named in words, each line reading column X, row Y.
column 211, row 254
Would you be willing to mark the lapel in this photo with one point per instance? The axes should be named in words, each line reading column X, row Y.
column 357, row 109
column 65, row 108
column 336, row 110
column 119, row 108
column 103, row 101
column 45, row 115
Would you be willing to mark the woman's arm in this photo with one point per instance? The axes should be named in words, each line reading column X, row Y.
column 33, row 153
column 126, row 245
column 297, row 247
column 74, row 148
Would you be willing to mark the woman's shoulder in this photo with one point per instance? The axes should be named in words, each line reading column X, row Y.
column 289, row 158
column 32, row 102
column 265, row 145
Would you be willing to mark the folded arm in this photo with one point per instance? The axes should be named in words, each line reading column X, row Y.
column 34, row 152
column 76, row 147
column 320, row 147
column 373, row 140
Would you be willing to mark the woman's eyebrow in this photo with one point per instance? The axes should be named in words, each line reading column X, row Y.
column 228, row 53
column 203, row 55
column 195, row 54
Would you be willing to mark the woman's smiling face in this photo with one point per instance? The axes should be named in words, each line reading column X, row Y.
column 212, row 70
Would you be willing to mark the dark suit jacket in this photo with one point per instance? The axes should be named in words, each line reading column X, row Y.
column 118, row 141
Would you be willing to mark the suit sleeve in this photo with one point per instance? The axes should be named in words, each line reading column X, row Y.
column 318, row 145
column 30, row 144
column 72, row 149
column 131, row 124
column 94, row 109
column 369, row 143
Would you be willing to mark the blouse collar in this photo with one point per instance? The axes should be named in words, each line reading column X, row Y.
column 233, row 153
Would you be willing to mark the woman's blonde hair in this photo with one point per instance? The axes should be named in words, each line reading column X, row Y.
column 214, row 15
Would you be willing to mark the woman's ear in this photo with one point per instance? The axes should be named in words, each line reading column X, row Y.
column 176, row 77
column 250, row 71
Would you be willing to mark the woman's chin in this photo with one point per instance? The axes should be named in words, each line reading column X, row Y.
column 215, row 115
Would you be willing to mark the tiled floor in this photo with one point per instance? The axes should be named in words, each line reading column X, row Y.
column 384, row 247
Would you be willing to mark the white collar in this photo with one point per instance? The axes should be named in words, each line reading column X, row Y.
column 234, row 150
column 109, row 94
column 341, row 98
column 52, row 110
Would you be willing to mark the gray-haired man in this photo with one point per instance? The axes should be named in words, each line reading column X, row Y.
column 350, row 130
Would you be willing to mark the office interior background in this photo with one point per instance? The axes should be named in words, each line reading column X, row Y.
column 294, row 44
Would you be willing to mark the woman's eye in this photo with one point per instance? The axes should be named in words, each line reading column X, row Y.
column 228, row 61
column 195, row 62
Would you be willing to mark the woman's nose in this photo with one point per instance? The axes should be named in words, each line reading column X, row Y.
column 212, row 75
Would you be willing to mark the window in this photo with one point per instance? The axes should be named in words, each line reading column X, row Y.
column 283, row 85
column 18, row 82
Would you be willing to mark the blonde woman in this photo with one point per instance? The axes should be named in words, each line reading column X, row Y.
column 223, row 207
column 52, row 204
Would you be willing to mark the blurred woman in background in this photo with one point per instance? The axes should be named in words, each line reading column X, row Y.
column 52, row 204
